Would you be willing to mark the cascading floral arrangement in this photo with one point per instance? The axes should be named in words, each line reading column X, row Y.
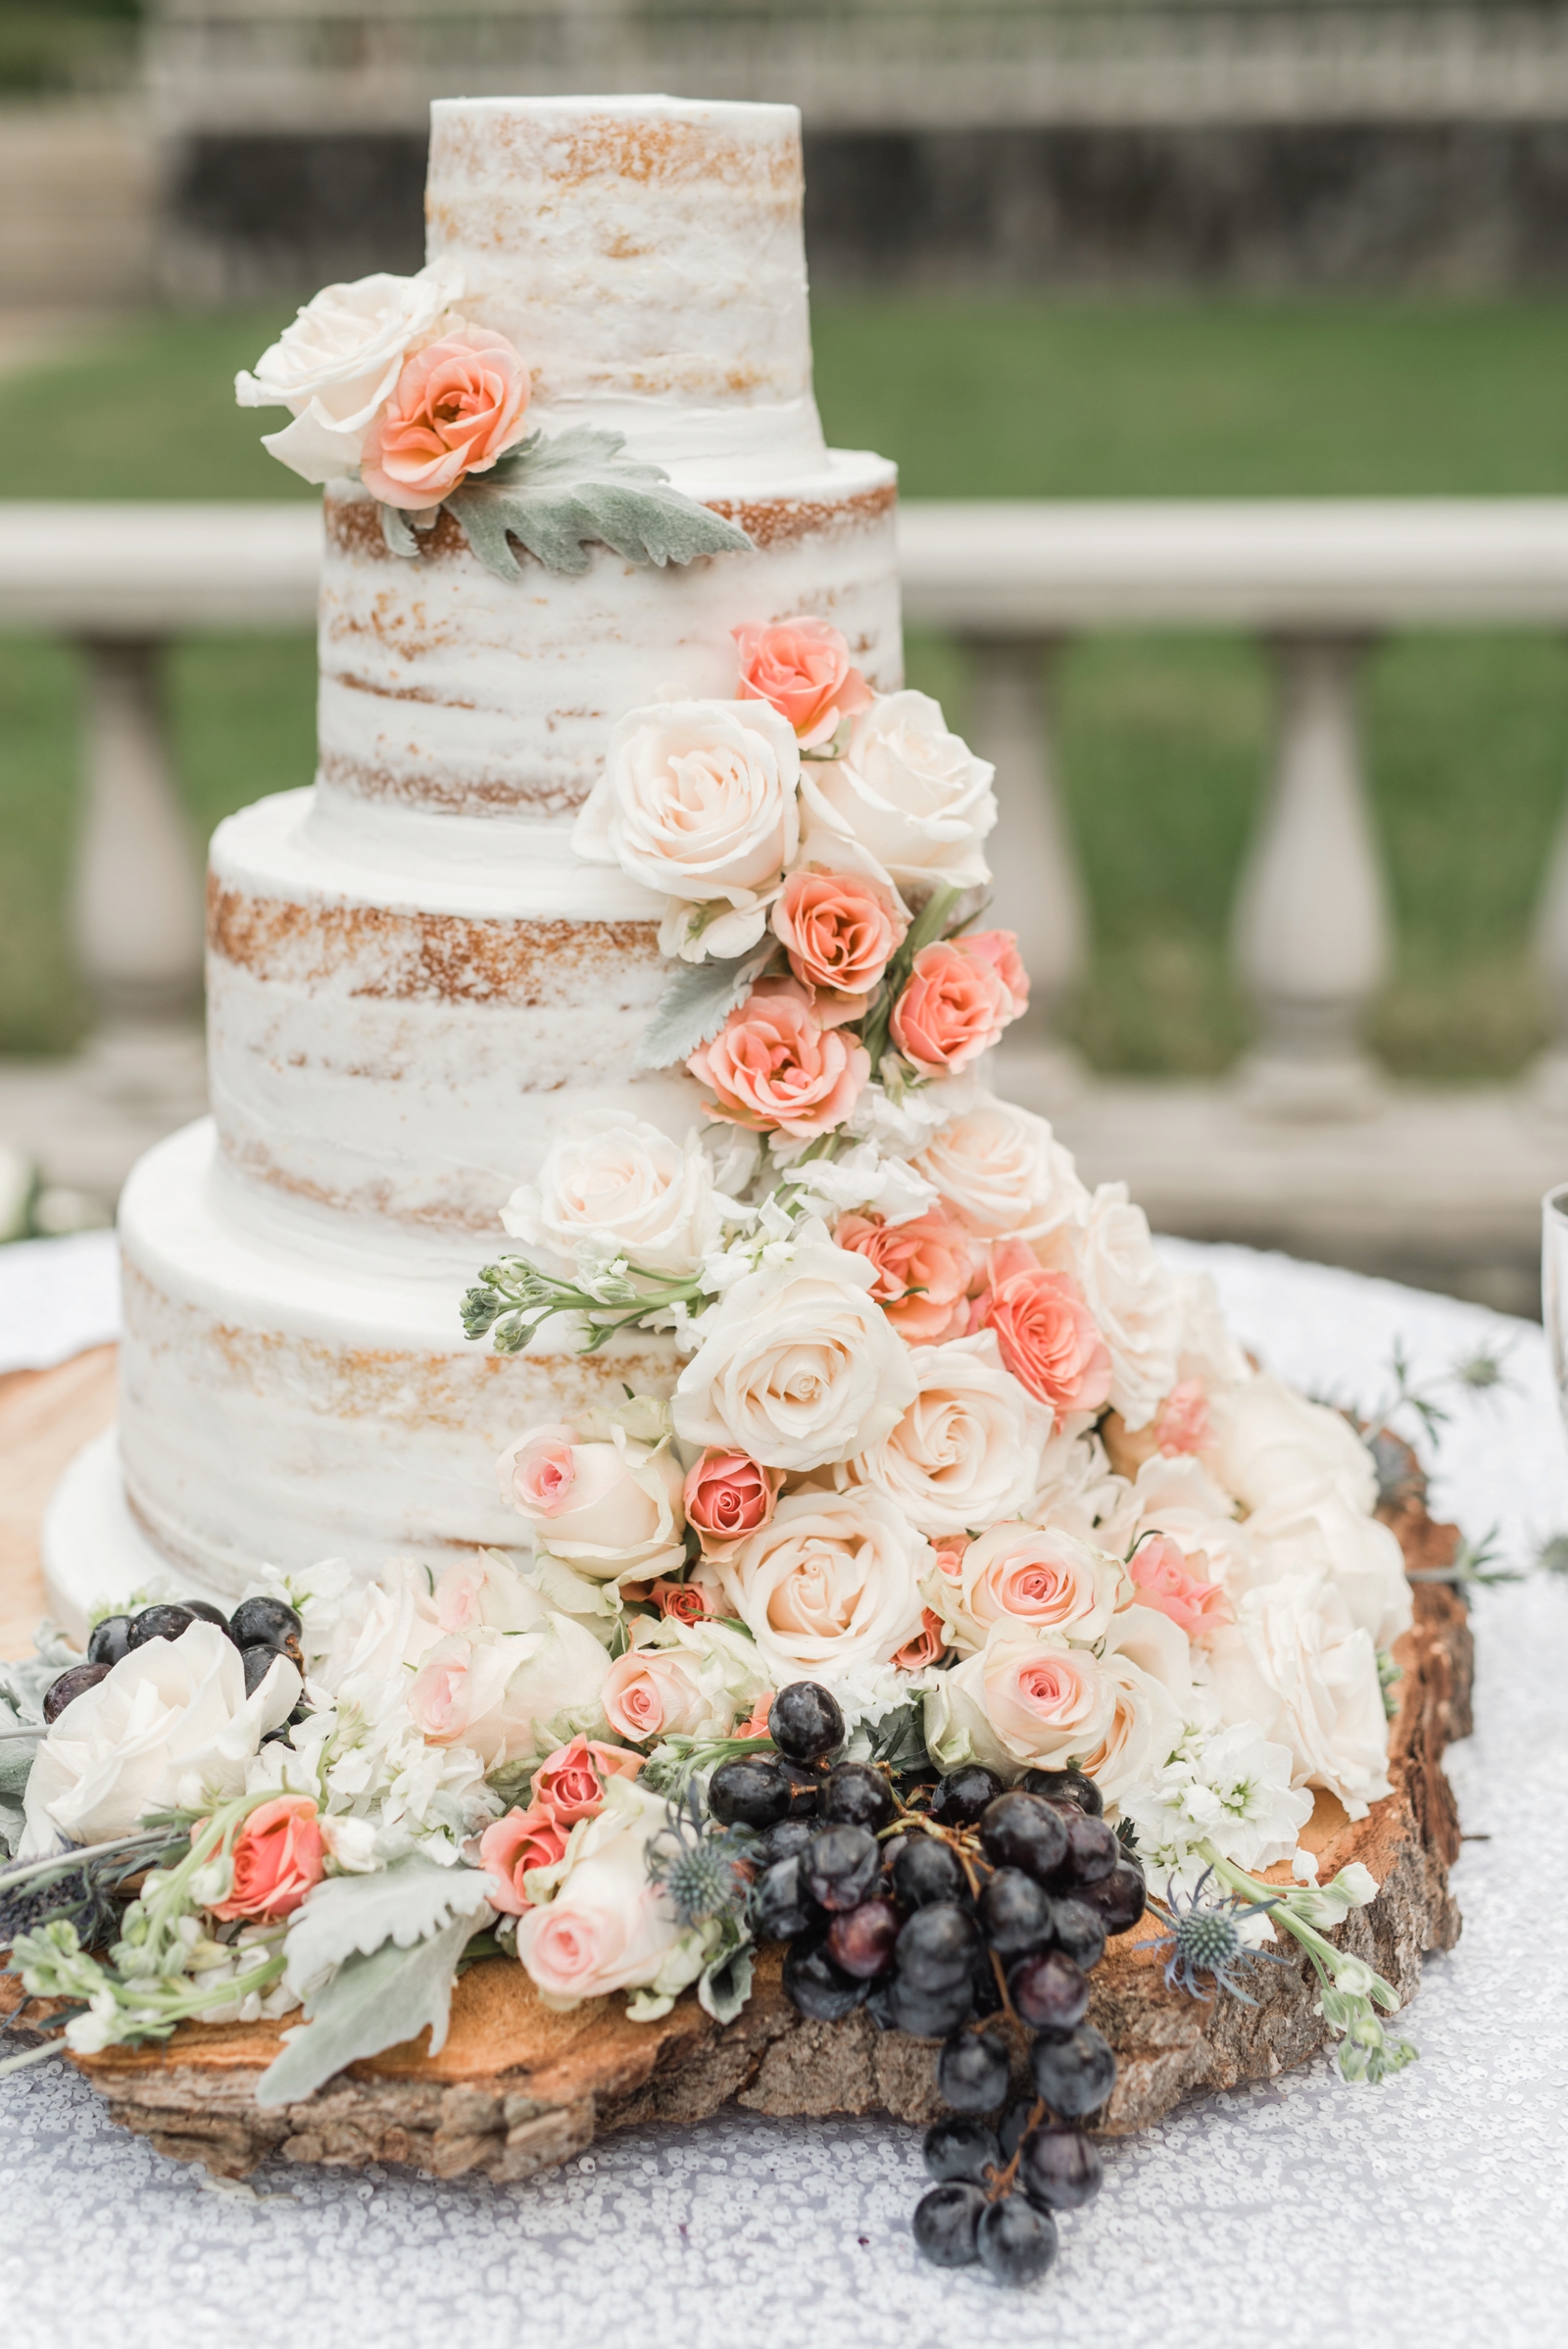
column 963, row 1572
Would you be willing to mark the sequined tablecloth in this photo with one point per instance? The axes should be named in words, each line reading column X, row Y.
column 1433, row 2211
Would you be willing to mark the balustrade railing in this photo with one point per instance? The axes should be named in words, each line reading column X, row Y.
column 1317, row 581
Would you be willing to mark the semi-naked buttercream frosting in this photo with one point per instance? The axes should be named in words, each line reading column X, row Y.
column 412, row 982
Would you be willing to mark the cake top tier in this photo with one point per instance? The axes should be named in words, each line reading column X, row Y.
column 644, row 255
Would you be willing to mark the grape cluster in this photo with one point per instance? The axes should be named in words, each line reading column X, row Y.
column 949, row 1908
column 262, row 1629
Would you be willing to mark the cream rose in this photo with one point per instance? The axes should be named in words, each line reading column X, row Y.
column 907, row 791
column 699, row 801
column 1269, row 1439
column 1148, row 1661
column 682, row 1680
column 510, row 1696
column 604, row 1927
column 609, row 1508
column 615, row 1183
column 1029, row 1699
column 831, row 1589
column 168, row 1728
column 1296, row 1665
column 1003, row 1174
column 966, row 1451
column 1023, row 1574
column 336, row 366
column 1132, row 1297
column 798, row 1366
column 1312, row 1529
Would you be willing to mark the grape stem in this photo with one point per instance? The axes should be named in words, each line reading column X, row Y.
column 1002, row 2182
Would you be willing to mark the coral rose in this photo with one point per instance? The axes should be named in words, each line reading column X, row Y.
column 923, row 1269
column 801, row 666
column 1048, row 1336
column 570, row 1782
column 728, row 1494
column 953, row 1009
column 457, row 404
column 927, row 1647
column 839, row 930
column 278, row 1858
column 510, row 1846
column 1171, row 1581
column 776, row 1069
column 686, row 1602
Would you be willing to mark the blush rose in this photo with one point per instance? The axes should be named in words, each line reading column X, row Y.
column 776, row 1069
column 278, row 1858
column 803, row 667
column 1171, row 1580
column 840, row 931
column 1048, row 1336
column 923, row 1269
column 953, row 1008
column 457, row 406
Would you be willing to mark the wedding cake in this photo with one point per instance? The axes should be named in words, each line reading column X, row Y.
column 412, row 981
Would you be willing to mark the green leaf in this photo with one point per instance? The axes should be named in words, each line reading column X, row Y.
column 556, row 495
column 368, row 2004
column 696, row 1003
column 354, row 1915
column 726, row 1984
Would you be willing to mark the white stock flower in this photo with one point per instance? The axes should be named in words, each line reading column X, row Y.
column 858, row 1177
column 796, row 1365
column 830, row 1589
column 1230, row 1788
column 168, row 1728
column 604, row 1927
column 611, row 1180
column 1003, row 1174
column 1314, row 1529
column 1024, row 1573
column 1132, row 1297
column 1269, row 1439
column 907, row 791
column 1294, row 1664
column 902, row 1122
column 966, row 1450
column 336, row 366
column 699, row 801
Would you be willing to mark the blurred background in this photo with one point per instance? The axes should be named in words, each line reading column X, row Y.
column 1112, row 254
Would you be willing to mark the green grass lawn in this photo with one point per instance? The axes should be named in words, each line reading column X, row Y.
column 1164, row 741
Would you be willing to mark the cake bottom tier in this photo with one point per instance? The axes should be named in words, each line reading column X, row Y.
column 284, row 1398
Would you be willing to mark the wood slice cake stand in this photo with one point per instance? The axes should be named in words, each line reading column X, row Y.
column 518, row 2088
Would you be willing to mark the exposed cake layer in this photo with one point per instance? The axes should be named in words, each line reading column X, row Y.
column 284, row 1402
column 401, row 1009
column 445, row 687
column 646, row 255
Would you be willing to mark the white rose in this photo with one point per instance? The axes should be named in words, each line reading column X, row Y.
column 1268, row 1438
column 966, row 1451
column 606, row 1928
column 1205, row 1349
column 1132, row 1297
column 1024, row 1574
column 510, row 1696
column 168, row 1728
column 623, row 1187
column 797, row 1366
column 335, row 367
column 1312, row 1529
column 611, row 1508
column 830, row 1589
column 1296, row 1665
column 1178, row 1497
column 1148, row 1661
column 684, row 1679
column 907, row 791
column 699, row 801
column 1003, row 1174
column 1078, row 1491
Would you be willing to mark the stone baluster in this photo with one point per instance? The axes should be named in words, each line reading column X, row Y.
column 1312, row 923
column 1036, row 889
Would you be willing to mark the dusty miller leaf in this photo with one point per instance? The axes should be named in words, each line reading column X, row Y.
column 726, row 1984
column 351, row 1916
column 369, row 2004
column 555, row 496
column 695, row 1005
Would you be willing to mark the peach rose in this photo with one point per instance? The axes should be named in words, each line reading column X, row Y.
column 927, row 1647
column 278, row 1858
column 839, row 930
column 949, row 1556
column 1171, row 1580
column 687, row 1602
column 570, row 1784
column 457, row 404
column 801, row 666
column 774, row 1068
column 923, row 1269
column 999, row 948
column 953, row 1008
column 729, row 1495
column 510, row 1846
column 1182, row 1422
column 1048, row 1337
column 653, row 1692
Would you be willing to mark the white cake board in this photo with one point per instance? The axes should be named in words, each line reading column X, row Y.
column 94, row 1553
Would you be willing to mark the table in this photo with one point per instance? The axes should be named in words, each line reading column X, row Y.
column 1428, row 2212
